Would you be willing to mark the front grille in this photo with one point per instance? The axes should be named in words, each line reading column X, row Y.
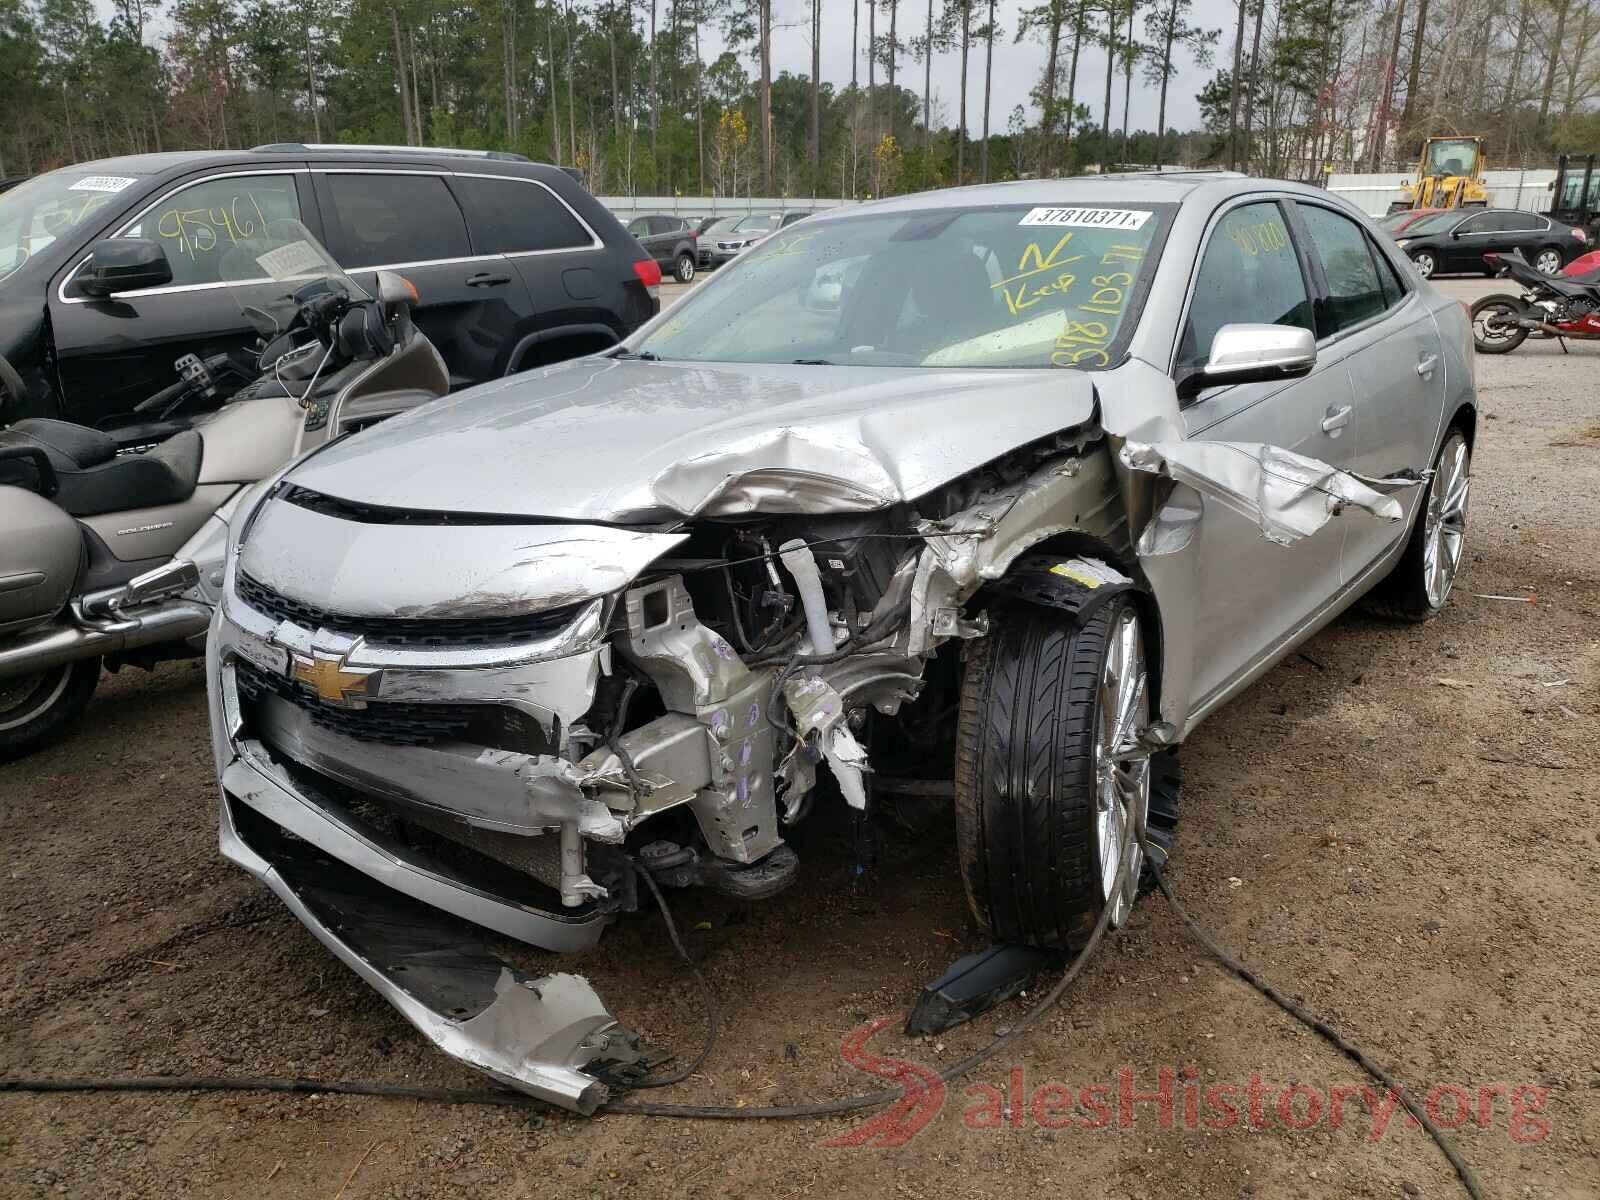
column 408, row 631
column 396, row 724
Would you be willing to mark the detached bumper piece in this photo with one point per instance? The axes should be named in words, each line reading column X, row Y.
column 550, row 1037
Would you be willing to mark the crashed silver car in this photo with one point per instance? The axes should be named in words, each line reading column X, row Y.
column 995, row 492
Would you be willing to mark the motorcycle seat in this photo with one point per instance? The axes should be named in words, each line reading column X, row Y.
column 93, row 478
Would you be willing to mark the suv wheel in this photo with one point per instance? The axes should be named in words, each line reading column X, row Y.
column 1045, row 805
column 683, row 269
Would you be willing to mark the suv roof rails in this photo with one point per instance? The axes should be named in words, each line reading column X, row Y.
column 366, row 148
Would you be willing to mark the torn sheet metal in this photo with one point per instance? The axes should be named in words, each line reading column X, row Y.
column 781, row 471
column 1288, row 495
column 820, row 710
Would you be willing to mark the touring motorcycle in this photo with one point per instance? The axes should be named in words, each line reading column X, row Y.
column 111, row 542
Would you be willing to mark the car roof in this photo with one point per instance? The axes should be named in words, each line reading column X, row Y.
column 180, row 160
column 1150, row 187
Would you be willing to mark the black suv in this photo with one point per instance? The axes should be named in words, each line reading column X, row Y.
column 671, row 241
column 515, row 263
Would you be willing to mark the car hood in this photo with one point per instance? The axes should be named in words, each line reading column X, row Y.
column 626, row 440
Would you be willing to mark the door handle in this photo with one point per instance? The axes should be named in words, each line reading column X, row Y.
column 487, row 279
column 1426, row 365
column 1336, row 419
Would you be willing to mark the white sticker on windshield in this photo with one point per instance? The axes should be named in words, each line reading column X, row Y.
column 101, row 183
column 1088, row 218
column 297, row 258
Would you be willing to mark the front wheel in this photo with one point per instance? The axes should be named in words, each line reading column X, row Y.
column 36, row 709
column 1425, row 263
column 1422, row 580
column 683, row 270
column 1497, row 324
column 1051, row 792
column 1548, row 261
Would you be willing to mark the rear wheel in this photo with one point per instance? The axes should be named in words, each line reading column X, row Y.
column 36, row 709
column 1051, row 793
column 683, row 270
column 1548, row 261
column 1496, row 324
column 1426, row 263
column 1421, row 581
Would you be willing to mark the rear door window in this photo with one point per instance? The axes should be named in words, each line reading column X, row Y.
column 1250, row 274
column 381, row 220
column 1354, row 292
column 511, row 216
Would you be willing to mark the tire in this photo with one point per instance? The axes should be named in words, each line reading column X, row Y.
column 683, row 269
column 1548, row 261
column 37, row 709
column 1415, row 590
column 1481, row 316
column 1425, row 263
column 1029, row 829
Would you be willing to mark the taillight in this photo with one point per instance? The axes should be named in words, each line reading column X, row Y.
column 1580, row 235
column 649, row 272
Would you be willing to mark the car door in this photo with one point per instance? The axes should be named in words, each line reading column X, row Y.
column 471, row 305
column 1255, row 593
column 554, row 253
column 1525, row 232
column 113, row 353
column 1379, row 323
column 1469, row 240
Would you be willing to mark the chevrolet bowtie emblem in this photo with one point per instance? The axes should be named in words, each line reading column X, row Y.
column 329, row 678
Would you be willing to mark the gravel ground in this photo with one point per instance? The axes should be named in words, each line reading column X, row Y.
column 1398, row 827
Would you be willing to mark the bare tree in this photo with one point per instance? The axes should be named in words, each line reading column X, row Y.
column 990, row 32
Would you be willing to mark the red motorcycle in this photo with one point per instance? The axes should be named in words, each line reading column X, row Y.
column 1552, row 306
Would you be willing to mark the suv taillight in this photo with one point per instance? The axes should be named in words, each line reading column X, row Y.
column 649, row 272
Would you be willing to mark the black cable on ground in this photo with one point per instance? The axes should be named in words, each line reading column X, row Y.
column 1469, row 1179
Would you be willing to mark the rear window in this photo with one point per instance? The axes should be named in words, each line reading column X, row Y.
column 385, row 219
column 511, row 216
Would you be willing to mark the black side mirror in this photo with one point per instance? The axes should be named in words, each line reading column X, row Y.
column 124, row 265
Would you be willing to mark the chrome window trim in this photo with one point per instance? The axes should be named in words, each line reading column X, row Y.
column 595, row 241
column 169, row 289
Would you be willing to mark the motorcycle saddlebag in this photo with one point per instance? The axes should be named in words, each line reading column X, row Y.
column 41, row 553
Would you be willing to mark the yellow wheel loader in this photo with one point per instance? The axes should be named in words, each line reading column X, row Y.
column 1449, row 175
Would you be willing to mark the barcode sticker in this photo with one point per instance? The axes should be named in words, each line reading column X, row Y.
column 101, row 183
column 1088, row 218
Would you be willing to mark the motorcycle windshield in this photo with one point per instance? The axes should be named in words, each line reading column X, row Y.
column 271, row 274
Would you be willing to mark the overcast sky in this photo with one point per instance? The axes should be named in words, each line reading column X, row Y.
column 1016, row 67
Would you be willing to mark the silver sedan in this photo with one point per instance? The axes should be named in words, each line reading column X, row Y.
column 992, row 493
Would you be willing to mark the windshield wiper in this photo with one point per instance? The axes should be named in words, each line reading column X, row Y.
column 641, row 355
column 813, row 362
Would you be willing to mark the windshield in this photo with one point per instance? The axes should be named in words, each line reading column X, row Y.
column 758, row 223
column 989, row 287
column 1437, row 224
column 1400, row 219
column 273, row 272
column 1455, row 157
column 38, row 211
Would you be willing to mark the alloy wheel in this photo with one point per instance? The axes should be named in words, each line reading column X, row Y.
column 1495, row 323
column 1122, row 769
column 1425, row 265
column 1549, row 261
column 1445, row 524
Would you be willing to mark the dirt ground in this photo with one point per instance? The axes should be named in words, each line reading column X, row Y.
column 1399, row 827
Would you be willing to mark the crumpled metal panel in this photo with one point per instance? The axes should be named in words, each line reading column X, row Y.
column 453, row 571
column 601, row 439
column 1288, row 495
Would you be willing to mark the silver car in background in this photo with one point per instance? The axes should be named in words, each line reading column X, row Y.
column 1000, row 490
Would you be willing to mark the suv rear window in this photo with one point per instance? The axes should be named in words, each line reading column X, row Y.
column 510, row 216
column 383, row 219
